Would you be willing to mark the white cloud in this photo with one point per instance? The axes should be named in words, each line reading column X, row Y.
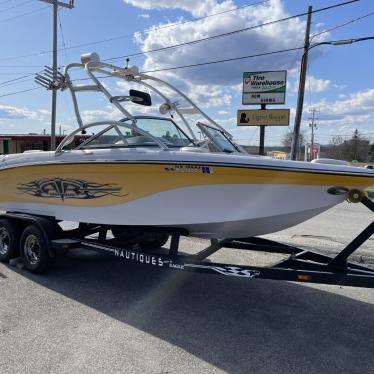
column 225, row 79
column 218, row 85
column 44, row 112
column 317, row 85
column 320, row 25
column 228, row 122
column 345, row 121
column 340, row 86
column 278, row 36
column 312, row 84
column 357, row 103
column 144, row 15
column 197, row 7
column 13, row 112
column 209, row 96
column 355, row 110
column 111, row 113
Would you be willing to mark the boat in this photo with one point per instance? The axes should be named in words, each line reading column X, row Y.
column 168, row 171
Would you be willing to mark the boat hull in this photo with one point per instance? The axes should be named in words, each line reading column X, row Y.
column 205, row 199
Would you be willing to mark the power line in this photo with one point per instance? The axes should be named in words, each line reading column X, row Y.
column 181, row 67
column 22, row 15
column 147, row 31
column 62, row 35
column 308, row 88
column 20, row 66
column 231, row 32
column 11, row 73
column 18, row 92
column 21, row 56
column 16, row 6
column 15, row 83
column 343, row 24
column 205, row 63
column 208, row 62
column 192, row 42
column 224, row 60
column 68, row 104
column 16, row 79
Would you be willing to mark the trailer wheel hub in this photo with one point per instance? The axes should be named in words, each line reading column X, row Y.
column 32, row 249
column 4, row 241
column 355, row 196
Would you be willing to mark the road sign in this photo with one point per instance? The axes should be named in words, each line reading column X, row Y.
column 267, row 117
column 315, row 149
column 264, row 87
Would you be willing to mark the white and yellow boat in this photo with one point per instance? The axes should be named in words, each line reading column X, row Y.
column 146, row 171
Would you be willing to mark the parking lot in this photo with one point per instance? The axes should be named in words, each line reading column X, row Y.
column 94, row 313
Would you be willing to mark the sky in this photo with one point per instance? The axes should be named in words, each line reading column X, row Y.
column 340, row 81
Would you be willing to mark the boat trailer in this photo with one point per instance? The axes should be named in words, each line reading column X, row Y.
column 300, row 266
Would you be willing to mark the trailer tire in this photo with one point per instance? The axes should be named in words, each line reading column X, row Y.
column 9, row 240
column 34, row 250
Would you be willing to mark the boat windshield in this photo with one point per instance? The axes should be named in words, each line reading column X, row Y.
column 223, row 143
column 164, row 130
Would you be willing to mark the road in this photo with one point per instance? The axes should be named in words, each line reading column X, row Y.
column 96, row 314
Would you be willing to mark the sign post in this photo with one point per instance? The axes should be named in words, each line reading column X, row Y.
column 261, row 149
column 262, row 88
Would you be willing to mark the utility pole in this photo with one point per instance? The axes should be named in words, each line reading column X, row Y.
column 300, row 98
column 55, row 4
column 313, row 125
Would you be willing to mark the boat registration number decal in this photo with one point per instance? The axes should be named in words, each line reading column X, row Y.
column 69, row 189
column 181, row 168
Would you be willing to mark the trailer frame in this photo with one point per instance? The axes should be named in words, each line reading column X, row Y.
column 300, row 266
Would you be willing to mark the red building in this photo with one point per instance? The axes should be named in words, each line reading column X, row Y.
column 18, row 143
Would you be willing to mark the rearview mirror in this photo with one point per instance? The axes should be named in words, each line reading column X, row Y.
column 140, row 97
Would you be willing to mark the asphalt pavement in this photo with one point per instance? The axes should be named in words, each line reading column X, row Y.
column 96, row 314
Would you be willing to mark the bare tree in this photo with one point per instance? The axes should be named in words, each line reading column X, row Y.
column 356, row 148
column 371, row 153
column 336, row 147
column 287, row 138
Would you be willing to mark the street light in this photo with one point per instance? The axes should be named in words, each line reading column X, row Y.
column 300, row 99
